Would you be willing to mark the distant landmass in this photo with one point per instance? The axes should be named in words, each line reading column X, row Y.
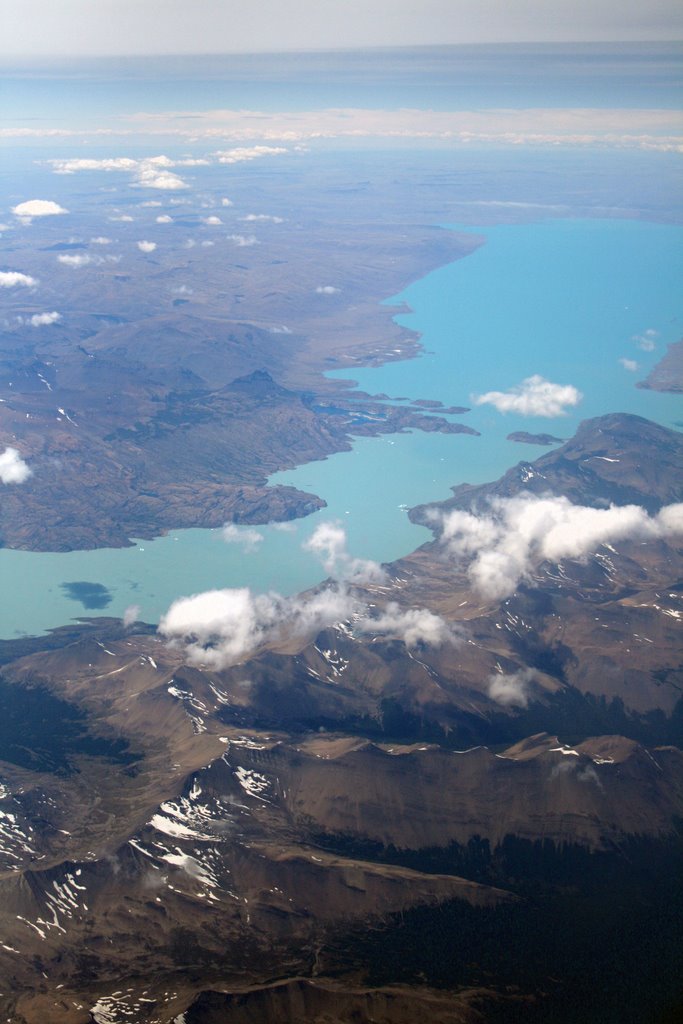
column 526, row 438
column 667, row 375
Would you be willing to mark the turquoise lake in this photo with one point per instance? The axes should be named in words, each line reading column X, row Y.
column 566, row 299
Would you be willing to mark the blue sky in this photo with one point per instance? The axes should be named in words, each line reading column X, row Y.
column 112, row 27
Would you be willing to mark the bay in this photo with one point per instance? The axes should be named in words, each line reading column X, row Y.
column 566, row 299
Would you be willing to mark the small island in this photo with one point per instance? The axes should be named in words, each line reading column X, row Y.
column 525, row 438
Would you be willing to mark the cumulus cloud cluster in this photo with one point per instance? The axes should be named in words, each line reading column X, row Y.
column 78, row 260
column 145, row 246
column 414, row 626
column 14, row 278
column 535, row 396
column 43, row 319
column 629, row 364
column 647, row 341
column 75, row 260
column 329, row 544
column 150, row 172
column 240, row 154
column 157, row 172
column 221, row 627
column 263, row 217
column 37, row 208
column 164, row 219
column 511, row 689
column 13, row 469
column 505, row 545
column 327, row 289
column 243, row 240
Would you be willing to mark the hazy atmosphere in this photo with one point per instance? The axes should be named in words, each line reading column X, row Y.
column 91, row 27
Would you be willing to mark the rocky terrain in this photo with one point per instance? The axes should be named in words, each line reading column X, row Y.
column 667, row 375
column 358, row 823
column 127, row 445
column 152, row 403
column 524, row 437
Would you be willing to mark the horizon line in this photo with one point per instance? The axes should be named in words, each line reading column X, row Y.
column 350, row 48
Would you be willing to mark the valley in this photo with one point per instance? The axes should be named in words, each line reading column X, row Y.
column 276, row 836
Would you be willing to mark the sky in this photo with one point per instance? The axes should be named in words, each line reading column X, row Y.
column 138, row 27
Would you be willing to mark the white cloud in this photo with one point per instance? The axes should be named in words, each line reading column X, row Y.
column 131, row 615
column 327, row 289
column 504, row 546
column 629, row 364
column 164, row 219
column 75, row 260
column 119, row 163
column 100, row 240
column 241, row 153
column 146, row 246
column 245, row 536
column 150, row 172
column 207, row 245
column 44, row 319
column 647, row 341
column 150, row 202
column 211, row 221
column 226, row 202
column 13, row 469
column 414, row 626
column 535, row 396
column 150, row 176
column 511, row 690
column 183, row 289
column 222, row 627
column 328, row 544
column 616, row 128
column 13, row 278
column 37, row 208
column 243, row 240
column 263, row 217
column 124, row 218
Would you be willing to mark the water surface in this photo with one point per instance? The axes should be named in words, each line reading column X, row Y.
column 566, row 299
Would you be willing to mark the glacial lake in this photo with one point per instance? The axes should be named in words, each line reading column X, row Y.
column 566, row 299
